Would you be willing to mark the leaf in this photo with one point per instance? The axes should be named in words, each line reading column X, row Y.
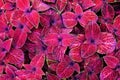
column 50, row 1
column 116, row 25
column 75, row 54
column 51, row 39
column 33, row 18
column 21, row 39
column 92, row 32
column 38, row 60
column 98, row 5
column 87, row 16
column 52, row 76
column 107, row 43
column 1, row 3
column 64, row 68
column 23, row 5
column 69, row 19
column 40, row 6
column 61, row 5
column 107, row 11
column 108, row 73
column 87, row 4
column 78, row 9
column 88, row 50
column 67, row 39
column 7, row 44
column 16, row 57
column 111, row 61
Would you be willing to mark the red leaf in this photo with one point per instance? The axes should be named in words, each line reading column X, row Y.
column 111, row 61
column 51, row 39
column 87, row 4
column 61, row 4
column 67, row 72
column 78, row 9
column 67, row 39
column 116, row 25
column 50, row 1
column 98, row 5
column 33, row 18
column 78, row 41
column 52, row 77
column 108, row 73
column 64, row 69
column 107, row 11
column 88, row 50
column 20, row 38
column 76, row 67
column 16, row 57
column 107, row 43
column 23, row 5
column 7, row 44
column 1, row 3
column 38, row 60
column 75, row 54
column 92, row 32
column 69, row 19
column 40, row 6
column 9, row 6
column 87, row 16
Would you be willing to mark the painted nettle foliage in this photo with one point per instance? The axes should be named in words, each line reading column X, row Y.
column 59, row 39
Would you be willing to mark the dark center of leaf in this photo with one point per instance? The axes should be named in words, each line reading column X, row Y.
column 6, row 29
column 34, row 69
column 115, row 30
column 14, row 5
column 71, row 63
column 21, row 26
column 92, row 41
column 3, row 49
column 52, row 22
column 2, row 63
column 44, row 47
column 79, row 16
column 90, row 72
column 59, row 39
column 12, row 76
column 28, row 10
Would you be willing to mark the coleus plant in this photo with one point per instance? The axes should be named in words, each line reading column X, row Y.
column 59, row 40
